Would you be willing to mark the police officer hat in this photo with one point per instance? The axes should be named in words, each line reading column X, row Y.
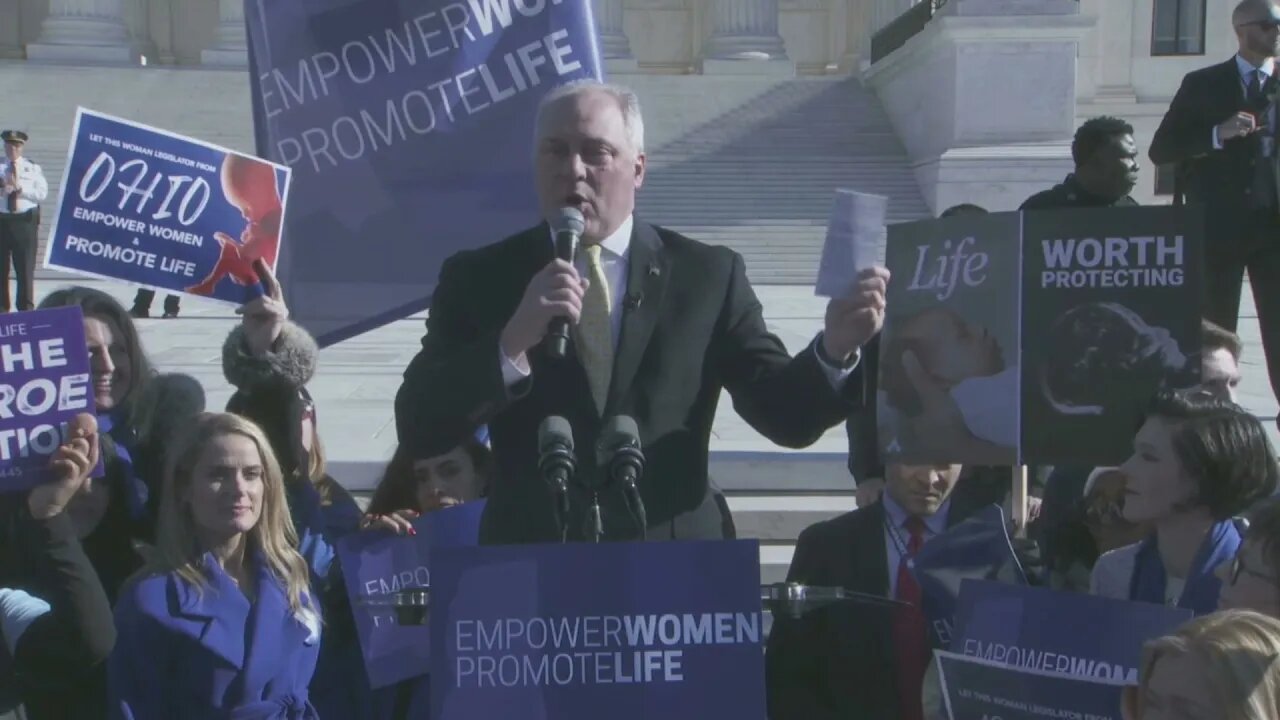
column 14, row 137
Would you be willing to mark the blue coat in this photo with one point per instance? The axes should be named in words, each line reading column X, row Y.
column 188, row 654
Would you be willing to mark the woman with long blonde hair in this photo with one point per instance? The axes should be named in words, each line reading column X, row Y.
column 222, row 624
column 1223, row 666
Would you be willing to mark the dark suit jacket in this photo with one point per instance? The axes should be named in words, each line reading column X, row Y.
column 691, row 327
column 1221, row 180
column 837, row 663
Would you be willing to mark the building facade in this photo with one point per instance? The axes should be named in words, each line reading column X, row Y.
column 984, row 94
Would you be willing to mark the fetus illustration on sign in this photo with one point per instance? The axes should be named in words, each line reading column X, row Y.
column 250, row 186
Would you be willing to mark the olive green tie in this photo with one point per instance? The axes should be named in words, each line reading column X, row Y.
column 595, row 331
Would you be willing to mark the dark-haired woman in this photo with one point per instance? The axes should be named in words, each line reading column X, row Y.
column 56, row 628
column 409, row 487
column 1198, row 461
column 114, row 517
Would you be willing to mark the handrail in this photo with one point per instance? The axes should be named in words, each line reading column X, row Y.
column 903, row 28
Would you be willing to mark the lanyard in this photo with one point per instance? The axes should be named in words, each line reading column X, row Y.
column 901, row 546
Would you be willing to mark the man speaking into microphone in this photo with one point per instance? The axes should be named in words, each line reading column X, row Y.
column 657, row 325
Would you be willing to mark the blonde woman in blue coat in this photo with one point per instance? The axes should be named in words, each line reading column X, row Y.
column 222, row 624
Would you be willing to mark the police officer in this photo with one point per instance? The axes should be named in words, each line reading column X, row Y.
column 1106, row 169
column 22, row 189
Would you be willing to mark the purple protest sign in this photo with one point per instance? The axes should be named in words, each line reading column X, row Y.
column 379, row 563
column 44, row 382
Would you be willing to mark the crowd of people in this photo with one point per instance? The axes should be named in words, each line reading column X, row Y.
column 198, row 576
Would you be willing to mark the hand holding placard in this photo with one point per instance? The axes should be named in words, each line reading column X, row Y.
column 44, row 383
column 72, row 465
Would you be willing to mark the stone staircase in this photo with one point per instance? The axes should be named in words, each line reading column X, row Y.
column 760, row 178
column 748, row 162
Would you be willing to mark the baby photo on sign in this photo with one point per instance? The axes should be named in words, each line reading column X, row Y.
column 948, row 385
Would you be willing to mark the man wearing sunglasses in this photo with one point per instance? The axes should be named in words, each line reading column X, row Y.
column 1220, row 132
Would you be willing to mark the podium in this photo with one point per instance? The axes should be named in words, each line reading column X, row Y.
column 792, row 600
column 620, row 630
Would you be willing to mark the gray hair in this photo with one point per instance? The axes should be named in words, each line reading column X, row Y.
column 628, row 103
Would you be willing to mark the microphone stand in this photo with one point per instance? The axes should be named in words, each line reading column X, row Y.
column 560, row 508
column 410, row 606
column 594, row 529
column 795, row 600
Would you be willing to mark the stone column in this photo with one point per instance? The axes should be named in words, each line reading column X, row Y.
column 1113, row 76
column 744, row 40
column 231, row 43
column 613, row 38
column 84, row 31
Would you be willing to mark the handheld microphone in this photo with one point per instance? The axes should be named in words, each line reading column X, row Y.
column 567, row 228
column 618, row 453
column 557, row 464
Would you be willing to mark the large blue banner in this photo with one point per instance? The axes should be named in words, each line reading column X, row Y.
column 1037, row 628
column 409, row 127
column 165, row 211
column 619, row 630
column 378, row 563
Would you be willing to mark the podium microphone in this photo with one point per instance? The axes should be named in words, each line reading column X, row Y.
column 794, row 600
column 557, row 464
column 567, row 229
column 618, row 454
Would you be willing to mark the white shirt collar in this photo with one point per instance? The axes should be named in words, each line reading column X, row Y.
column 936, row 523
column 618, row 243
column 1246, row 68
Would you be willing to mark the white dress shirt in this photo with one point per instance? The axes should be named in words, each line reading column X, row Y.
column 897, row 537
column 30, row 178
column 615, row 257
column 1247, row 70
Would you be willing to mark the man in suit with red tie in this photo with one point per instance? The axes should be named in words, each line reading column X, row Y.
column 663, row 324
column 863, row 662
column 1221, row 132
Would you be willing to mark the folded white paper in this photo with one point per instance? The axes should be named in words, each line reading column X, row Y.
column 855, row 239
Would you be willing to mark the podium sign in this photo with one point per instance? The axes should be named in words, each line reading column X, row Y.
column 668, row 630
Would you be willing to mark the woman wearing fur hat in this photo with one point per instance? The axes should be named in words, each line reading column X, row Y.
column 270, row 360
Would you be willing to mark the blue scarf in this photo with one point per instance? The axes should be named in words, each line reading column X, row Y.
column 136, row 492
column 1200, row 594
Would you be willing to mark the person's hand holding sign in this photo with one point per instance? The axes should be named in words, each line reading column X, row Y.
column 71, row 463
column 264, row 317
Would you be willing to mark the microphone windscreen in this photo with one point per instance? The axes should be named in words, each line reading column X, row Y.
column 570, row 219
column 618, row 431
column 554, row 430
